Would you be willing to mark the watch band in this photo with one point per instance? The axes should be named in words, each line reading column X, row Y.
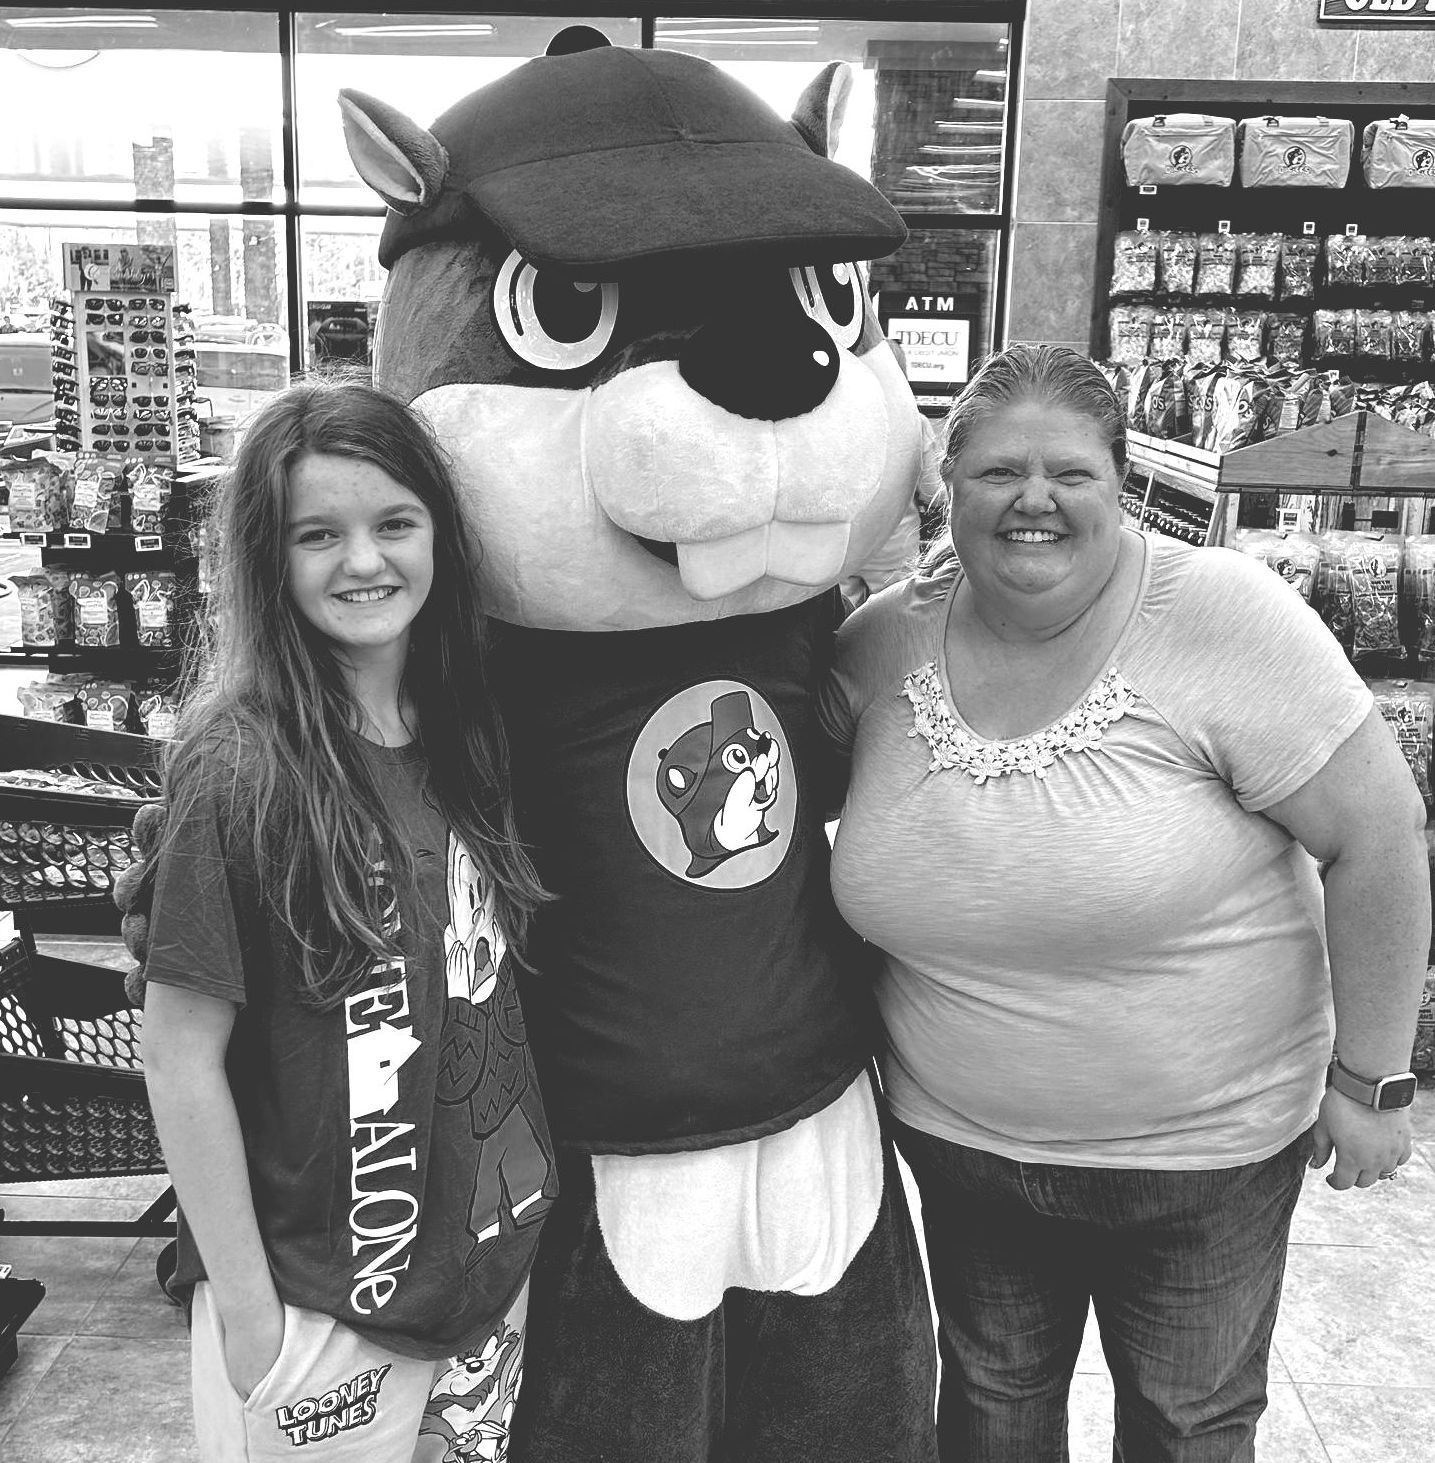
column 1384, row 1094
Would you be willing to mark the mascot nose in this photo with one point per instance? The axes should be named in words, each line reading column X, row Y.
column 762, row 369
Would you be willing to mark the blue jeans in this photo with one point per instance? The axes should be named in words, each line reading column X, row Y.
column 1183, row 1269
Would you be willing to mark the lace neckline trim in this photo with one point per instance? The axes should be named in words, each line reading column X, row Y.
column 953, row 746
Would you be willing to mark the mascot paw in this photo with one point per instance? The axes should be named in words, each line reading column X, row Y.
column 134, row 889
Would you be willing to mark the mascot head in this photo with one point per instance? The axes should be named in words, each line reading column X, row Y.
column 629, row 298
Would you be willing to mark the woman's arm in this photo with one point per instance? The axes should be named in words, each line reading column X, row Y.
column 1362, row 814
column 186, row 1037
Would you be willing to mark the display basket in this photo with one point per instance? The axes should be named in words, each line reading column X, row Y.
column 64, row 846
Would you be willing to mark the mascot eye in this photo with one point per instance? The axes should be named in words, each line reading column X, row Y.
column 833, row 295
column 735, row 759
column 550, row 321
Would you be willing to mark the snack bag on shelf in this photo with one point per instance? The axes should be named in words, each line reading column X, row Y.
column 1300, row 403
column 1257, row 259
column 1245, row 337
column 1130, row 327
column 1166, row 410
column 1381, row 256
column 45, row 702
column 1216, row 263
column 1168, row 334
column 1179, row 253
column 1205, row 337
column 1238, row 412
column 1285, row 335
column 1337, row 396
column 1373, row 332
column 1179, row 148
column 1409, row 330
column 1294, row 556
column 1409, row 710
column 45, row 607
column 1200, row 400
column 97, row 619
column 1299, row 255
column 96, row 480
column 1332, row 585
column 1345, row 257
column 36, row 492
column 152, row 593
column 1142, row 378
column 1134, row 271
column 1418, row 585
column 107, row 705
column 1422, row 1054
column 1298, row 152
column 159, row 714
column 1399, row 152
column 1372, row 563
column 1333, row 332
column 151, row 487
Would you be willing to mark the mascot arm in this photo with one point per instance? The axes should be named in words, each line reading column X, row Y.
column 134, row 893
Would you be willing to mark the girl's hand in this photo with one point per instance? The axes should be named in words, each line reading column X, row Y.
column 251, row 1344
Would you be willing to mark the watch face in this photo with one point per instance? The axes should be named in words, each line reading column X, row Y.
column 1396, row 1092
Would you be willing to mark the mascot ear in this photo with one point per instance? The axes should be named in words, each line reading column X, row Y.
column 576, row 38
column 403, row 163
column 822, row 106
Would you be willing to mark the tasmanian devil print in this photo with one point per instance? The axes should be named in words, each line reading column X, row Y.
column 718, row 780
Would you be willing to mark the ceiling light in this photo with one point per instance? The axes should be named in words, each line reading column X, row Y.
column 83, row 22
column 414, row 31
column 749, row 40
column 990, row 75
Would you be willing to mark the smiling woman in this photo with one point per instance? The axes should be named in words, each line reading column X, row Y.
column 1109, row 1020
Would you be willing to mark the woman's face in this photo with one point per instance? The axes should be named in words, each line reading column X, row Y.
column 1036, row 506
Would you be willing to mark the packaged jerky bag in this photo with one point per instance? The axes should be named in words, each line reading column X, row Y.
column 1130, row 327
column 1179, row 253
column 1134, row 272
column 1295, row 152
column 1345, row 256
column 1399, row 153
column 1372, row 333
column 1332, row 585
column 1205, row 337
column 1408, row 708
column 1179, row 148
column 1285, row 335
column 1333, row 332
column 1373, row 566
column 1257, row 259
column 1418, row 589
column 1216, row 263
column 1168, row 334
column 1245, row 337
column 1299, row 254
column 1294, row 556
column 1408, row 332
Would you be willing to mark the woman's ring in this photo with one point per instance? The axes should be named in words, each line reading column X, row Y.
column 1393, row 1174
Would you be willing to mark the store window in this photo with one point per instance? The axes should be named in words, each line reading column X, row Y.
column 927, row 122
column 227, row 119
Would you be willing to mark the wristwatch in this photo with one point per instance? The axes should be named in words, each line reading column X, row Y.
column 1384, row 1094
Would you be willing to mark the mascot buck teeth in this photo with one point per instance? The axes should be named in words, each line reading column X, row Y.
column 629, row 298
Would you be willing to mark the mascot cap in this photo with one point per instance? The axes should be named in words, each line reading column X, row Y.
column 601, row 159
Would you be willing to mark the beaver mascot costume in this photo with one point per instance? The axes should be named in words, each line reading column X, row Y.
column 628, row 297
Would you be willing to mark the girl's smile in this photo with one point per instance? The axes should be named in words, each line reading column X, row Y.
column 359, row 554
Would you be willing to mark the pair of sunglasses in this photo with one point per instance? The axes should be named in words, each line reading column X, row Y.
column 144, row 352
column 155, row 321
column 114, row 318
column 150, row 400
column 94, row 303
column 139, row 336
column 142, row 368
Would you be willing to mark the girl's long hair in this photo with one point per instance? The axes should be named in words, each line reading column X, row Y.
column 1054, row 374
column 268, row 711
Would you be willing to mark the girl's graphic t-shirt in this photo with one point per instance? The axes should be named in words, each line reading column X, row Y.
column 398, row 1153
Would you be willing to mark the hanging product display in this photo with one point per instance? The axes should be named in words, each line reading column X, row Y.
column 1295, row 152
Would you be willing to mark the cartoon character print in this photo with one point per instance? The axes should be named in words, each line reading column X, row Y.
column 470, row 1407
column 718, row 780
column 484, row 1061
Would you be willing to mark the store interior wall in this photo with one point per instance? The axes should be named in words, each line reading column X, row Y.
column 1073, row 47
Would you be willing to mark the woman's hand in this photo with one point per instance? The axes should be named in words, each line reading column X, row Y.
column 251, row 1343
column 1366, row 1143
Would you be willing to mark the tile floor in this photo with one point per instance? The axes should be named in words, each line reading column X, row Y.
column 102, row 1370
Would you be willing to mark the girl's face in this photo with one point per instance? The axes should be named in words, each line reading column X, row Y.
column 358, row 554
column 1036, row 504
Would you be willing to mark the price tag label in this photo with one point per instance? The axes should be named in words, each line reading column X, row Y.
column 1308, row 227
column 1352, row 230
column 77, row 541
column 1147, row 189
column 33, row 540
column 1223, row 226
column 148, row 543
column 1143, row 225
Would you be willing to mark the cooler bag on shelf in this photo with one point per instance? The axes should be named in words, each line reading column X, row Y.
column 1295, row 152
column 1399, row 153
column 1179, row 147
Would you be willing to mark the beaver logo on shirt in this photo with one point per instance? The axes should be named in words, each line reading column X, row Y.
column 710, row 788
column 719, row 779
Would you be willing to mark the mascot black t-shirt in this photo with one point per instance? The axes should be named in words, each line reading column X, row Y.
column 693, row 984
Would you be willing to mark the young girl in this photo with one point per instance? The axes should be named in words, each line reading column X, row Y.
column 334, row 1049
